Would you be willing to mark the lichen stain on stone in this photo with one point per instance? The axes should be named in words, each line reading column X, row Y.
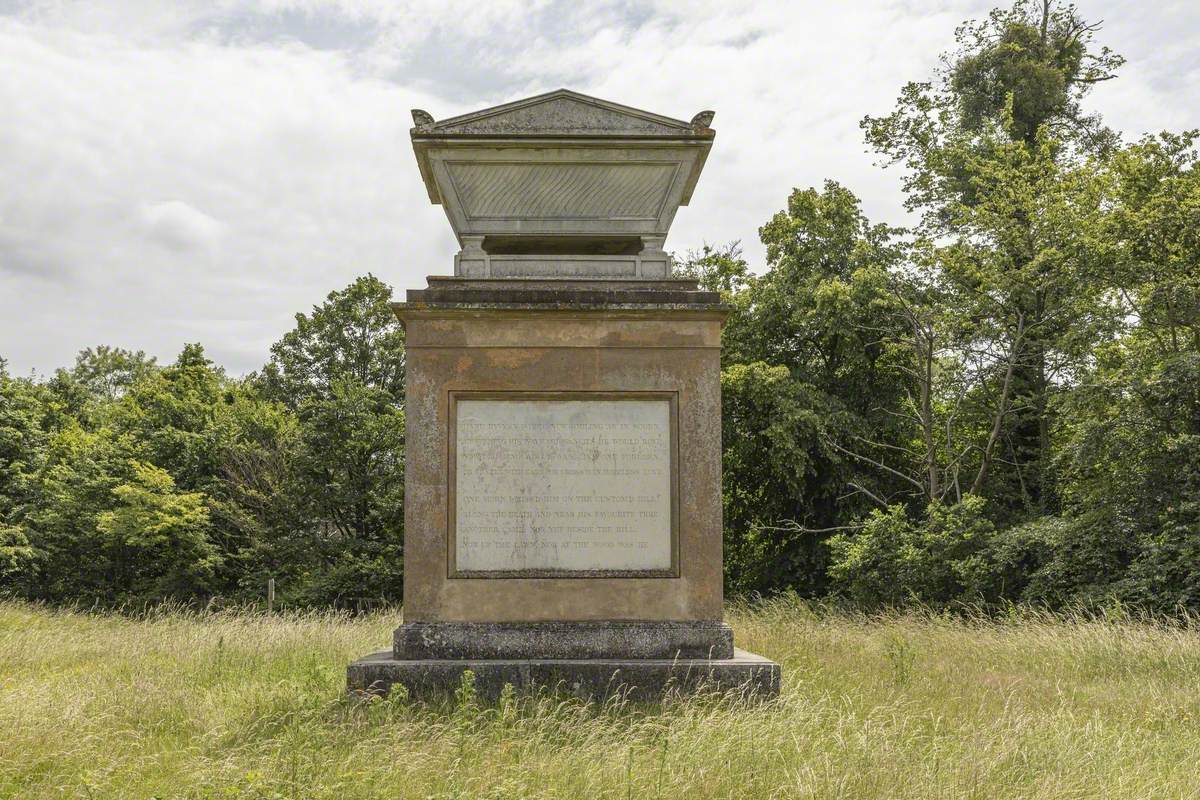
column 464, row 364
column 511, row 359
column 673, row 335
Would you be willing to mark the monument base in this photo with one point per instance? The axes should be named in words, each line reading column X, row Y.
column 641, row 679
column 563, row 640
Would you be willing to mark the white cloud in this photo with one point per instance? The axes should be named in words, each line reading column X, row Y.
column 175, row 172
column 178, row 226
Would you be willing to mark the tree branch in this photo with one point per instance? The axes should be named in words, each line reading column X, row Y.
column 885, row 467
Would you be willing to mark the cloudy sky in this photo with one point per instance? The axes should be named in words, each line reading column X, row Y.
column 175, row 172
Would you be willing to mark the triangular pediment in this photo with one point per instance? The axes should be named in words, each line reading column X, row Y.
column 559, row 113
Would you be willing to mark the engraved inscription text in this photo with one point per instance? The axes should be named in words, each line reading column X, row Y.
column 562, row 485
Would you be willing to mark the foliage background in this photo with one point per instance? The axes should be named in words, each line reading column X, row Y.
column 1000, row 405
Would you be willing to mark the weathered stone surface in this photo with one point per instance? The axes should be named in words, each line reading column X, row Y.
column 637, row 679
column 534, row 348
column 573, row 176
column 563, row 295
column 562, row 113
column 483, row 264
column 437, row 282
column 570, row 485
column 563, row 416
column 563, row 640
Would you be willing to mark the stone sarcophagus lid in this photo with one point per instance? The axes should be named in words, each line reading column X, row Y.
column 561, row 184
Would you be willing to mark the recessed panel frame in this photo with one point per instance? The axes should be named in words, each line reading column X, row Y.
column 454, row 571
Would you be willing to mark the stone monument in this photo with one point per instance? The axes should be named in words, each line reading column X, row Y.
column 563, row 474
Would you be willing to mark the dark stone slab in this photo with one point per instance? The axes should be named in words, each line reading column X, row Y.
column 563, row 640
column 638, row 679
column 589, row 294
column 439, row 282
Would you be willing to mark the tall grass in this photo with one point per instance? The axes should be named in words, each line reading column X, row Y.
column 241, row 704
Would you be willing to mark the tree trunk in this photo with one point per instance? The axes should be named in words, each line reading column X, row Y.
column 925, row 353
column 1001, row 409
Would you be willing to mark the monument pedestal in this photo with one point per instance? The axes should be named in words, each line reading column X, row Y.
column 503, row 640
column 552, row 575
column 642, row 679
column 563, row 416
column 593, row 659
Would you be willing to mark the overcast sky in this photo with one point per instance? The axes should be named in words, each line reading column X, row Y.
column 175, row 172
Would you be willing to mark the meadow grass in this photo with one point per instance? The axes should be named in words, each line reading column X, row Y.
column 912, row 705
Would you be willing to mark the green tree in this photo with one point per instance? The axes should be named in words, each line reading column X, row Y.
column 1130, row 457
column 981, row 146
column 777, row 468
column 341, row 370
column 827, row 310
column 1032, row 63
column 17, row 555
column 22, row 440
column 353, row 461
column 170, row 415
column 716, row 268
column 21, row 435
column 1022, row 72
column 807, row 382
column 192, row 424
column 1152, row 240
column 1028, row 311
column 64, row 497
column 108, row 372
column 353, row 335
column 894, row 559
column 261, row 518
column 159, row 537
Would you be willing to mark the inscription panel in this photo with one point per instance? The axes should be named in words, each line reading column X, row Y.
column 550, row 486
